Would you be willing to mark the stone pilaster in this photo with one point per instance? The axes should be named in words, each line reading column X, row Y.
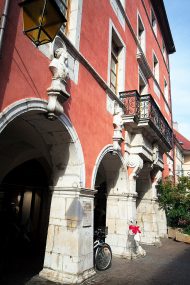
column 69, row 247
column 147, row 206
column 119, row 208
column 148, row 221
column 156, row 175
column 135, row 165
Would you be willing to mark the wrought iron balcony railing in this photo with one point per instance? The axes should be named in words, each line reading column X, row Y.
column 144, row 110
column 131, row 100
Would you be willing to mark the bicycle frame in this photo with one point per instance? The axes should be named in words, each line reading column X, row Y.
column 102, row 251
column 98, row 243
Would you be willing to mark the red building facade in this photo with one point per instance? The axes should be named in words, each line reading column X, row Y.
column 86, row 116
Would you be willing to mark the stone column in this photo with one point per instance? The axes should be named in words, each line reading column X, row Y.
column 117, row 220
column 147, row 207
column 69, row 247
column 135, row 165
column 121, row 207
column 160, row 213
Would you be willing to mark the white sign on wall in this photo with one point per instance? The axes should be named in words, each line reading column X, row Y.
column 87, row 213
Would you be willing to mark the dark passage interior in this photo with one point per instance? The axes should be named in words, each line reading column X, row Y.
column 24, row 212
column 100, row 201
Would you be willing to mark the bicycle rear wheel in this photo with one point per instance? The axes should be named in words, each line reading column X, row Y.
column 103, row 257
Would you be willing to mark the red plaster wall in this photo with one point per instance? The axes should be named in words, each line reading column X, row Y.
column 24, row 71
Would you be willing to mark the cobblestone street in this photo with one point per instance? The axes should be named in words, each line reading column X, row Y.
column 166, row 265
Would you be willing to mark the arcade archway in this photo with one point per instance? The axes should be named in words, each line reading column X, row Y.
column 111, row 209
column 36, row 156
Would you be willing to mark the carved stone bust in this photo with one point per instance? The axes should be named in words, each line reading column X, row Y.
column 57, row 91
column 59, row 64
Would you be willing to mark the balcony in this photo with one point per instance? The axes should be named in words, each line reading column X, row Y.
column 142, row 112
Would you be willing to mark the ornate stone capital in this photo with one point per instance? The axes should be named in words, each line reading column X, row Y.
column 135, row 161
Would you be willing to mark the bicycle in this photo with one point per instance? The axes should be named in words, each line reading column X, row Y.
column 102, row 250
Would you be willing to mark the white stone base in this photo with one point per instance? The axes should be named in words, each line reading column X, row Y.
column 147, row 219
column 120, row 208
column 66, row 278
column 69, row 247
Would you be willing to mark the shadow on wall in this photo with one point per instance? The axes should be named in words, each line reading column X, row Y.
column 6, row 56
column 74, row 215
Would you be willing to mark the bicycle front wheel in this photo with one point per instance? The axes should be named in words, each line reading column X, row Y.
column 103, row 257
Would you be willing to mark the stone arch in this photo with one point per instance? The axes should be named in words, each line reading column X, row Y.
column 27, row 106
column 107, row 149
column 110, row 179
column 28, row 138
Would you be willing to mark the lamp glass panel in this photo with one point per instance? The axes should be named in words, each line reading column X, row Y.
column 38, row 36
column 32, row 14
column 41, row 30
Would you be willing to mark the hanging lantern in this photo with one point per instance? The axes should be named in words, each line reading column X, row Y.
column 42, row 20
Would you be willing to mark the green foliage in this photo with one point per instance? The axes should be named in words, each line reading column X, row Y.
column 175, row 200
column 186, row 230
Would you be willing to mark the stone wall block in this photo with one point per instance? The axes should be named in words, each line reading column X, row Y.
column 148, row 226
column 121, row 227
column 65, row 242
column 47, row 260
column 122, row 239
column 86, row 262
column 112, row 211
column 73, row 209
column 57, row 207
column 112, row 239
column 58, row 222
column 56, row 261
column 86, row 243
column 69, row 266
column 123, row 213
column 50, row 238
column 111, row 226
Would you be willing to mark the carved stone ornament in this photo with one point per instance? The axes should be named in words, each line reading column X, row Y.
column 135, row 161
column 118, row 126
column 155, row 154
column 57, row 91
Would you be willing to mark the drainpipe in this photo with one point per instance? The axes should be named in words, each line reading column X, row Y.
column 173, row 139
column 3, row 23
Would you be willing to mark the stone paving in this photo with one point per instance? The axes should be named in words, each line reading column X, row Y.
column 165, row 265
